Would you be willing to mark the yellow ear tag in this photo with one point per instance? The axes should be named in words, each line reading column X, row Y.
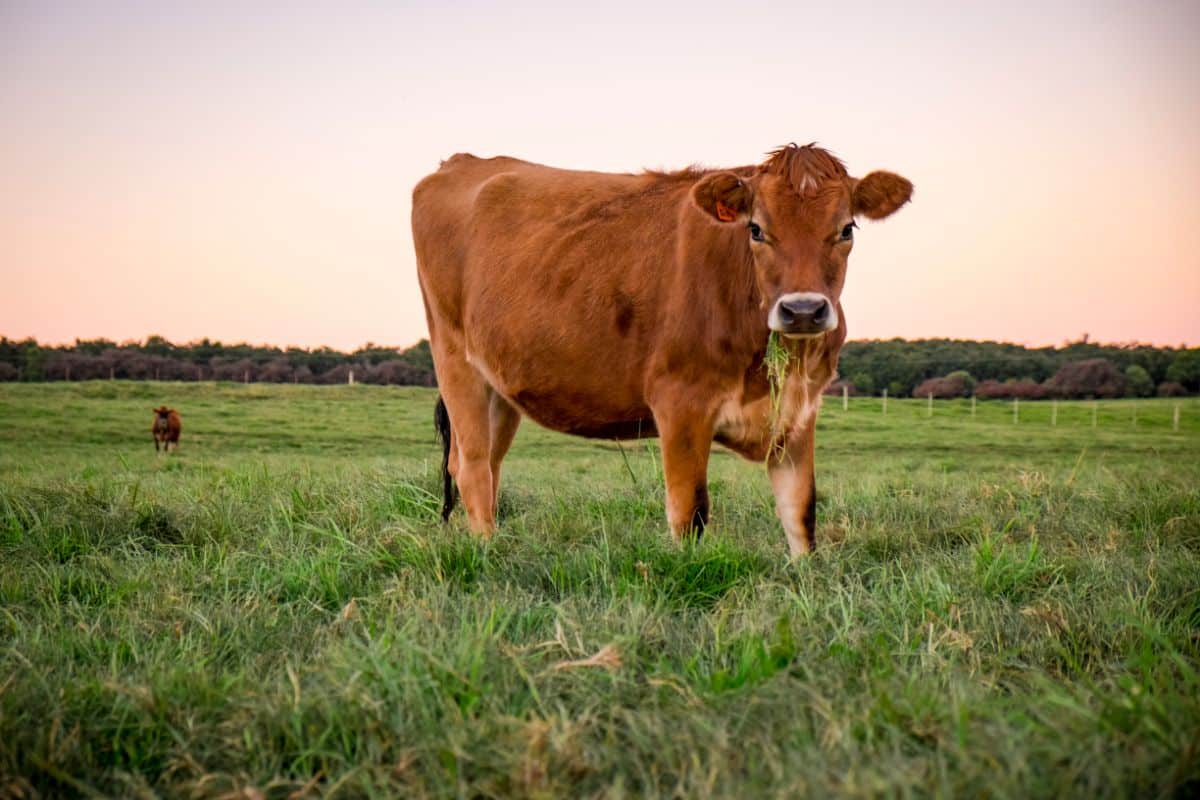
column 725, row 213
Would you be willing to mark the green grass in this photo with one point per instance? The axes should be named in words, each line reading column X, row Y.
column 993, row 609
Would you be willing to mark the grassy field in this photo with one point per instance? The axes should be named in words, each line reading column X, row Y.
column 995, row 609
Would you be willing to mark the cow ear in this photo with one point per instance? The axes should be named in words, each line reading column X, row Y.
column 723, row 196
column 880, row 194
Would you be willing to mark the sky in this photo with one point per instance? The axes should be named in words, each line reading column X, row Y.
column 243, row 171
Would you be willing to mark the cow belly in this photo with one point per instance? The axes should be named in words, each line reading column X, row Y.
column 582, row 415
column 577, row 404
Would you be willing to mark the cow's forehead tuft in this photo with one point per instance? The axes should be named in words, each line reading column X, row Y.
column 806, row 168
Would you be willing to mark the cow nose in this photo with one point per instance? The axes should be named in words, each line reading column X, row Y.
column 804, row 312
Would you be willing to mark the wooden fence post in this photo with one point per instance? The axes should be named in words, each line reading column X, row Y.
column 246, row 376
column 1016, row 410
column 845, row 396
column 885, row 404
column 972, row 405
column 1054, row 413
column 929, row 406
column 350, row 379
column 1175, row 419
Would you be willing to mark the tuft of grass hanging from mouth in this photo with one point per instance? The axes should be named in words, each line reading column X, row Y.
column 775, row 361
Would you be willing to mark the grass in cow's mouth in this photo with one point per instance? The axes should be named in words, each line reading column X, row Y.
column 775, row 361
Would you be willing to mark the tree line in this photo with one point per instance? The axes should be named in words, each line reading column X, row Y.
column 991, row 370
column 941, row 367
column 207, row 360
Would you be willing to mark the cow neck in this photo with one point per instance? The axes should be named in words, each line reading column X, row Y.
column 726, row 314
column 719, row 281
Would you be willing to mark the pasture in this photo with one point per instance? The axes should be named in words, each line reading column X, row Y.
column 275, row 610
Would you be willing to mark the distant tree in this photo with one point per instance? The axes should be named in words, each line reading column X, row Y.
column 32, row 360
column 1093, row 377
column 277, row 370
column 863, row 383
column 834, row 389
column 134, row 365
column 323, row 359
column 398, row 372
column 93, row 347
column 953, row 385
column 226, row 370
column 1023, row 389
column 967, row 380
column 1138, row 382
column 340, row 374
column 940, row 388
column 990, row 390
column 1185, row 369
column 420, row 356
column 1171, row 389
column 7, row 372
column 158, row 346
column 1026, row 389
column 896, row 389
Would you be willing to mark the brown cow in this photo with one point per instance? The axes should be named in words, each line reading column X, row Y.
column 621, row 306
column 166, row 428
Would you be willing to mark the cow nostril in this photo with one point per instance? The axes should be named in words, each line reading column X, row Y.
column 821, row 315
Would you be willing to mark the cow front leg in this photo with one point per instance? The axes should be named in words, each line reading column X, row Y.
column 793, row 479
column 686, row 443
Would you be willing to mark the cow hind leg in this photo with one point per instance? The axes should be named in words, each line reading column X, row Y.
column 467, row 396
column 503, row 420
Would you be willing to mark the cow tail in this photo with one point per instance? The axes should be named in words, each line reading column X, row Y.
column 441, row 421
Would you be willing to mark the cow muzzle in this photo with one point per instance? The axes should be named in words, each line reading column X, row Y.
column 801, row 314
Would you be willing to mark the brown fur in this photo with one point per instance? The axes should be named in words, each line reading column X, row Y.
column 625, row 305
column 805, row 167
column 166, row 428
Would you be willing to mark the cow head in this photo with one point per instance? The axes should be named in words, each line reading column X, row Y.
column 798, row 210
column 162, row 412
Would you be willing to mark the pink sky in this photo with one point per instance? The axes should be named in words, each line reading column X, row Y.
column 204, row 170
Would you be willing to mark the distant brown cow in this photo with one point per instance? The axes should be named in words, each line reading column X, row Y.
column 166, row 428
column 620, row 306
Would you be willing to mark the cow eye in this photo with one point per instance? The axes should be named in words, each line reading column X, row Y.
column 756, row 232
column 848, row 232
